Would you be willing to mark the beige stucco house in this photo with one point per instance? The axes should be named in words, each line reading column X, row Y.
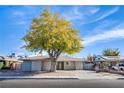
column 42, row 63
column 10, row 63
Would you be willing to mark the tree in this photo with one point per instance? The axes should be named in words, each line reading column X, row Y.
column 52, row 34
column 91, row 58
column 12, row 55
column 111, row 52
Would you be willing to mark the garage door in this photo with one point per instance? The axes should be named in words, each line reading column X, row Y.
column 88, row 66
column 26, row 66
column 37, row 66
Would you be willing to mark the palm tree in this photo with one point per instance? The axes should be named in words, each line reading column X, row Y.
column 111, row 52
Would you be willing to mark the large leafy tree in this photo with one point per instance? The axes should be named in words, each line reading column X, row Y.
column 111, row 52
column 53, row 34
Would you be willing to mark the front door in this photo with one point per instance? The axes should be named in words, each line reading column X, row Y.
column 60, row 66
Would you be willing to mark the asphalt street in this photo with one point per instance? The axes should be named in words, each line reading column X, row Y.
column 61, row 83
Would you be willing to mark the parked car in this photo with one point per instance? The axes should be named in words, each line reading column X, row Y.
column 118, row 67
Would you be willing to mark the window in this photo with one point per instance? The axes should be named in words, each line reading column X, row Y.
column 67, row 63
column 121, row 64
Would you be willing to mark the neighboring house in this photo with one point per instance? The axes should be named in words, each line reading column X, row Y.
column 2, row 62
column 1, row 58
column 10, row 63
column 109, row 61
column 88, row 65
column 112, row 59
column 42, row 63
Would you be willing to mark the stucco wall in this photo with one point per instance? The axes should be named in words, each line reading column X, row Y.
column 69, row 65
column 79, row 65
column 46, row 66
column 18, row 66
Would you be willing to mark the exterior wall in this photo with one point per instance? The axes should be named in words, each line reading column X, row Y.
column 18, row 66
column 8, row 63
column 79, row 65
column 69, row 65
column 26, row 66
column 60, row 65
column 36, row 66
column 46, row 66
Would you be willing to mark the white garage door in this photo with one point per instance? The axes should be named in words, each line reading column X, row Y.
column 36, row 66
column 26, row 66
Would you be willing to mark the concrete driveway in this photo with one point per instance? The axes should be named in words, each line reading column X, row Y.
column 76, row 74
column 100, row 75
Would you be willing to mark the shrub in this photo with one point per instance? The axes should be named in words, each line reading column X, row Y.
column 1, row 65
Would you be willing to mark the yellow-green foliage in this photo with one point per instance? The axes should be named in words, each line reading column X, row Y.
column 111, row 52
column 52, row 33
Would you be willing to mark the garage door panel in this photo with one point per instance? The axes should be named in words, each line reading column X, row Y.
column 26, row 66
column 36, row 66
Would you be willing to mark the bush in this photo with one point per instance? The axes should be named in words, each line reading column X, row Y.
column 6, row 68
column 1, row 65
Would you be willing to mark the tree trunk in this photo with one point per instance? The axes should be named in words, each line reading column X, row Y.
column 53, row 65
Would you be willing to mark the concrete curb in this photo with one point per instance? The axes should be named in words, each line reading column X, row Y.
column 36, row 77
column 61, row 78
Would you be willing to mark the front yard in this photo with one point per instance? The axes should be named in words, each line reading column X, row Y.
column 77, row 74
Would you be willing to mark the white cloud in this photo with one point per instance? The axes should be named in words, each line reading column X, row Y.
column 21, row 22
column 22, row 43
column 94, row 10
column 80, row 12
column 89, row 14
column 104, row 36
column 37, row 54
column 72, row 15
column 20, row 16
column 105, row 24
column 18, row 13
column 20, row 53
column 108, row 13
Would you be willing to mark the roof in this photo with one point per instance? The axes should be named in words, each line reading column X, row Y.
column 11, row 59
column 109, row 58
column 1, row 58
column 43, row 58
column 38, row 58
column 70, row 59
column 8, row 59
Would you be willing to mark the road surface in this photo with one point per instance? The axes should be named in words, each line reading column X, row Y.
column 61, row 83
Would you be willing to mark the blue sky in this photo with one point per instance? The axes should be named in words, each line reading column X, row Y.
column 100, row 26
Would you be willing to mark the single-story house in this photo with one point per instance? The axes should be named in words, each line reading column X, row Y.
column 1, row 61
column 42, row 63
column 10, row 63
column 105, row 61
column 88, row 65
column 1, row 58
